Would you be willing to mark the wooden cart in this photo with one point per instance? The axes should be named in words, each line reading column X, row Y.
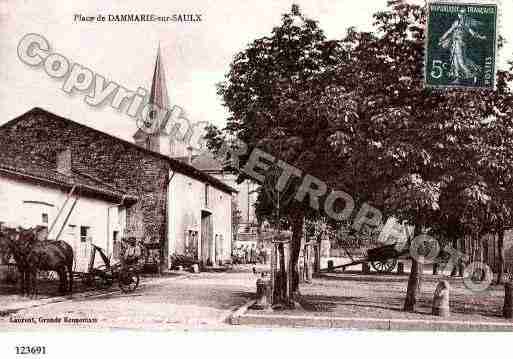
column 103, row 276
column 382, row 258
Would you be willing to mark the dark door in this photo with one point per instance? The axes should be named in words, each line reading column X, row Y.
column 206, row 237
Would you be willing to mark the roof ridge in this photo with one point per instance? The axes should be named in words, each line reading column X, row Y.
column 44, row 159
column 184, row 166
column 69, row 181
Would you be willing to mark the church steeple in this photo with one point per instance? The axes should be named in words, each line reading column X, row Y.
column 158, row 96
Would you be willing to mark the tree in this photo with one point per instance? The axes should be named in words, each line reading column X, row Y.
column 355, row 113
column 262, row 90
column 414, row 145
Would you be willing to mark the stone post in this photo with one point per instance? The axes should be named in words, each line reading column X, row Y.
column 441, row 304
column 263, row 294
column 195, row 268
column 331, row 266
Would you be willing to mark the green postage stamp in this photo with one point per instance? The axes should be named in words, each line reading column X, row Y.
column 461, row 44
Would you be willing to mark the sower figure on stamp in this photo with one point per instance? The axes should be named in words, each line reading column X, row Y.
column 457, row 39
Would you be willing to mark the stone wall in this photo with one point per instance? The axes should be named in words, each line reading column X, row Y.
column 101, row 156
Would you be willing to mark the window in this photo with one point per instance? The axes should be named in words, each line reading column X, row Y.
column 36, row 213
column 72, row 231
column 84, row 233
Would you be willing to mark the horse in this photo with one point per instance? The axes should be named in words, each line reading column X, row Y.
column 9, row 246
column 32, row 253
column 5, row 244
column 52, row 256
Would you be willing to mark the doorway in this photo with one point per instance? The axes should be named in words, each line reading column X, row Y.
column 206, row 238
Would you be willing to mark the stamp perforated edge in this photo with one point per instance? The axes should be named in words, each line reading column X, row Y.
column 498, row 31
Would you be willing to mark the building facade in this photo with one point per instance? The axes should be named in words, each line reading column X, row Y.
column 158, row 139
column 245, row 199
column 161, row 191
column 73, row 207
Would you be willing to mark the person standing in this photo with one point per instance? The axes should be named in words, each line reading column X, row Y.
column 252, row 254
column 246, row 254
column 131, row 252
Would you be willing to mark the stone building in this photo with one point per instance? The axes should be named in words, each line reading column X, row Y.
column 72, row 206
column 164, row 200
column 185, row 150
column 245, row 199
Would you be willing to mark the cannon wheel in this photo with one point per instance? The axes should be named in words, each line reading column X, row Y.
column 384, row 266
column 128, row 281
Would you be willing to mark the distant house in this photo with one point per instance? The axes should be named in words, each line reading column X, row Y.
column 246, row 196
column 122, row 189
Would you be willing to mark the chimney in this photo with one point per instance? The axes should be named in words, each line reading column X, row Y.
column 64, row 162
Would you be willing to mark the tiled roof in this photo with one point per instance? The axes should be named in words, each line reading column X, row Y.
column 174, row 164
column 207, row 163
column 36, row 168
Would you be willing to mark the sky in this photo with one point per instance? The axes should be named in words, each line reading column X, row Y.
column 196, row 55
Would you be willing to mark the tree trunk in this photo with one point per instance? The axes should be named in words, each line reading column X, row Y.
column 297, row 222
column 414, row 284
column 500, row 245
column 486, row 252
column 414, row 281
column 454, row 270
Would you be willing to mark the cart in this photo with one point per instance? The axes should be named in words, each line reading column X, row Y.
column 382, row 258
column 104, row 275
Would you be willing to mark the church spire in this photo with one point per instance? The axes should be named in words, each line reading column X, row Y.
column 158, row 94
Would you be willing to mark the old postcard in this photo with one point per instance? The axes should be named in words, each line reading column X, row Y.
column 238, row 165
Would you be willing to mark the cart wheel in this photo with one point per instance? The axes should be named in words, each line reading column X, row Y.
column 128, row 281
column 384, row 266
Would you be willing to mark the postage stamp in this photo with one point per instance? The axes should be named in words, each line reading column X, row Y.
column 461, row 44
